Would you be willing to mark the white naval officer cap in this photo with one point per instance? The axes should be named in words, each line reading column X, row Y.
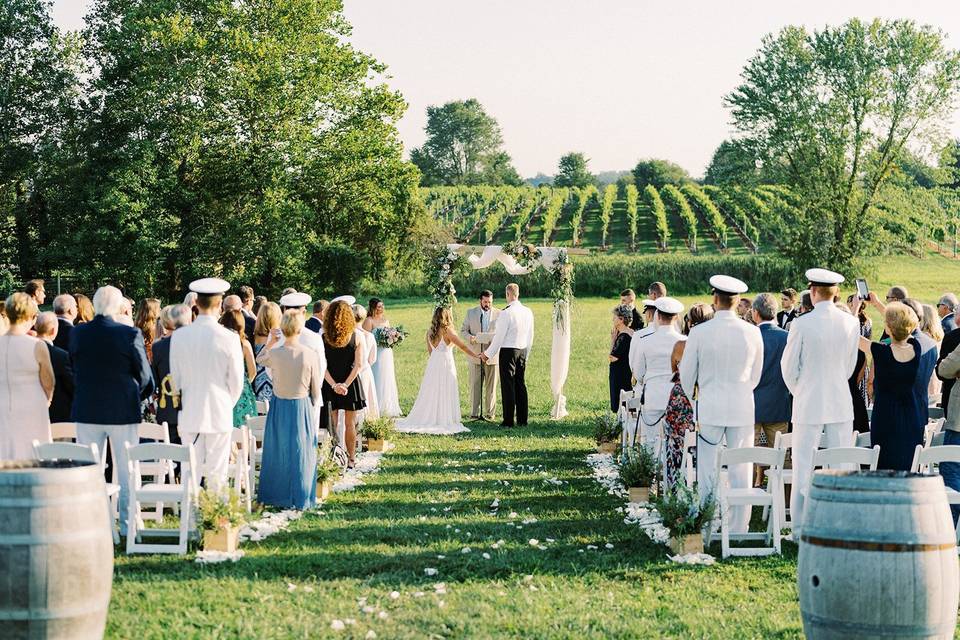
column 648, row 303
column 668, row 305
column 295, row 299
column 728, row 285
column 350, row 300
column 210, row 286
column 823, row 278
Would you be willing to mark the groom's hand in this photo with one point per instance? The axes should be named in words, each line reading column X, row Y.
column 483, row 356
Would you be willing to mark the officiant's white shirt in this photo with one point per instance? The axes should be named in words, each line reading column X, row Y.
column 514, row 330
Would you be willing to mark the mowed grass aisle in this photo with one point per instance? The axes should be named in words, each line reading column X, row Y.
column 432, row 498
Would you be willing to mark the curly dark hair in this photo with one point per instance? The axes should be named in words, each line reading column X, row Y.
column 338, row 324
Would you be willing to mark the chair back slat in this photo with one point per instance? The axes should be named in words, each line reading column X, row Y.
column 752, row 455
column 153, row 431
column 838, row 456
column 67, row 451
column 151, row 451
column 936, row 455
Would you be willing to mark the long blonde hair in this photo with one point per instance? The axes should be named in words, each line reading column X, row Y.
column 442, row 320
column 930, row 323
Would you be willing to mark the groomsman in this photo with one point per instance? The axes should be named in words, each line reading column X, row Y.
column 723, row 361
column 820, row 357
column 206, row 367
column 514, row 338
column 477, row 329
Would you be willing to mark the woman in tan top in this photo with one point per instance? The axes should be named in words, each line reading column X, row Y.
column 288, row 473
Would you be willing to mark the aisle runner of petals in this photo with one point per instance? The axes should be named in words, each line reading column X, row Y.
column 274, row 522
column 643, row 515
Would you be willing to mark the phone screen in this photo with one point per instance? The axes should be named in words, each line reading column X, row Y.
column 862, row 289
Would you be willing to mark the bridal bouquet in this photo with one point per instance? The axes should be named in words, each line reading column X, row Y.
column 390, row 337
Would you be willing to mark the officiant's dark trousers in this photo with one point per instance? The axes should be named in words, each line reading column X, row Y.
column 513, row 388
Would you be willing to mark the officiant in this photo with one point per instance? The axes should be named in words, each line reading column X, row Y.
column 477, row 331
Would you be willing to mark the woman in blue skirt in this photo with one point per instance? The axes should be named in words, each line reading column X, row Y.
column 288, row 471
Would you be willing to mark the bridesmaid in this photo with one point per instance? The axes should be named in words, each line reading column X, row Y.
column 288, row 473
column 342, row 391
column 372, row 410
column 383, row 371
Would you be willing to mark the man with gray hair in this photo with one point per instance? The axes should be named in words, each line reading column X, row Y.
column 172, row 318
column 771, row 398
column 232, row 303
column 945, row 309
column 65, row 306
column 112, row 375
column 62, row 401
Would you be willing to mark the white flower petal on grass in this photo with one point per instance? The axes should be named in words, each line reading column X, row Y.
column 592, row 546
column 514, row 514
column 486, row 556
column 337, row 625
column 441, row 557
column 541, row 547
column 383, row 615
column 495, row 546
column 418, row 594
column 368, row 609
column 533, row 542
column 430, row 571
column 466, row 550
column 349, row 622
column 371, row 635
column 533, row 588
column 608, row 546
column 394, row 595
column 308, row 589
column 291, row 587
column 441, row 604
column 495, row 504
column 527, row 578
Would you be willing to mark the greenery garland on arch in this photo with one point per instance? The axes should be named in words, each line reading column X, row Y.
column 448, row 264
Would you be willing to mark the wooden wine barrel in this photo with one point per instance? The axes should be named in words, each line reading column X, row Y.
column 56, row 550
column 878, row 557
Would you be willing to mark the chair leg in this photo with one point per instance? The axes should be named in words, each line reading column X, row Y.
column 724, row 529
column 133, row 521
column 185, row 512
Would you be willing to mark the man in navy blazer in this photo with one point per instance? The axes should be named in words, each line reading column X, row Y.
column 771, row 398
column 62, row 401
column 112, row 375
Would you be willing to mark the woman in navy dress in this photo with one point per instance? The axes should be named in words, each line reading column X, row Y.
column 899, row 409
column 288, row 472
column 620, row 377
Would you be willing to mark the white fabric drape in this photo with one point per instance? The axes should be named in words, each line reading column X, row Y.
column 560, row 348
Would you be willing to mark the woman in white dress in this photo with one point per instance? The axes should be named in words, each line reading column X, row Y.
column 437, row 409
column 383, row 374
column 372, row 412
column 26, row 382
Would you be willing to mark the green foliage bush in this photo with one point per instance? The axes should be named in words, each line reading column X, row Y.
column 677, row 202
column 659, row 212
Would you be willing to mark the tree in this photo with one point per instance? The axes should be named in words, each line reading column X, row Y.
column 572, row 171
column 659, row 173
column 463, row 146
column 829, row 113
column 732, row 164
column 949, row 163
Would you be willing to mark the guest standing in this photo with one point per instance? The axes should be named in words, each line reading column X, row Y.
column 949, row 369
column 297, row 302
column 771, row 398
column 315, row 322
column 723, row 360
column 247, row 404
column 112, row 377
column 946, row 309
column 629, row 298
column 788, row 302
column 899, row 411
column 384, row 374
column 268, row 323
column 512, row 343
column 820, row 357
column 26, row 382
column 288, row 473
column 65, row 306
column 479, row 324
column 679, row 415
column 619, row 356
column 36, row 290
column 172, row 318
column 246, row 308
column 146, row 320
column 931, row 327
column 654, row 373
column 85, row 312
column 206, row 366
column 47, row 330
column 341, row 385
column 372, row 410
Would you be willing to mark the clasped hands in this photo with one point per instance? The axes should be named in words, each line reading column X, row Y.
column 340, row 389
column 483, row 357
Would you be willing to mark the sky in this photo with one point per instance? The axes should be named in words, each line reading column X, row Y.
column 618, row 80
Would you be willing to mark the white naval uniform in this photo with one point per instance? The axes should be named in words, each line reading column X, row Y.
column 820, row 357
column 206, row 367
column 723, row 360
column 629, row 434
column 654, row 374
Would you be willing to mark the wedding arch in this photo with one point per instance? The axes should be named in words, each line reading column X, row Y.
column 519, row 259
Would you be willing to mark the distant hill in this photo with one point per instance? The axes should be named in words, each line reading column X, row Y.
column 602, row 178
column 539, row 179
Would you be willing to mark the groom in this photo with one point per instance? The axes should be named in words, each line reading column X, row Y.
column 512, row 341
column 476, row 332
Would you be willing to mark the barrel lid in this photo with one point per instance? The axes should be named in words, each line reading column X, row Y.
column 881, row 480
column 37, row 472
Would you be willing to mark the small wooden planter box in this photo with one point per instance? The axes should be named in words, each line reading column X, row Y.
column 687, row 544
column 639, row 494
column 375, row 445
column 607, row 447
column 324, row 489
column 225, row 539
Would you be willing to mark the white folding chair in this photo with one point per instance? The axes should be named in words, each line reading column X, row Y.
column 862, row 439
column 689, row 446
column 750, row 497
column 63, row 431
column 930, row 430
column 256, row 426
column 844, row 457
column 237, row 469
column 784, row 442
column 938, row 439
column 629, row 416
column 81, row 453
column 925, row 458
column 181, row 493
column 156, row 470
column 263, row 407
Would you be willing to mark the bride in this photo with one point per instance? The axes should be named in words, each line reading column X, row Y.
column 437, row 409
column 383, row 375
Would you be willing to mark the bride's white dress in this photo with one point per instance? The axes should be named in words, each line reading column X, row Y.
column 386, row 383
column 437, row 409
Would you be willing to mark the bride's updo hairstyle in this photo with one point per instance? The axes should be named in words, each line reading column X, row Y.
column 338, row 324
column 442, row 319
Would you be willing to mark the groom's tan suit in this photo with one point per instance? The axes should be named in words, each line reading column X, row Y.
column 481, row 375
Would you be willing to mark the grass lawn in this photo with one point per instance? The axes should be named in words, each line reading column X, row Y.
column 431, row 498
